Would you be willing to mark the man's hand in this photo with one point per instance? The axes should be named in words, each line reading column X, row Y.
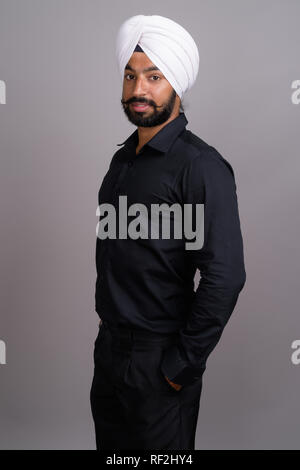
column 176, row 386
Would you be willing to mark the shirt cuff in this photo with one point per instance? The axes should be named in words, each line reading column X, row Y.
column 177, row 369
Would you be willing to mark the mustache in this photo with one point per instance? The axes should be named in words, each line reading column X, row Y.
column 135, row 100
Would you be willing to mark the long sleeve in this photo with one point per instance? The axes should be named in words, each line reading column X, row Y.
column 209, row 179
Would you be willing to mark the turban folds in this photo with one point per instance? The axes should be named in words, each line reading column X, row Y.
column 167, row 44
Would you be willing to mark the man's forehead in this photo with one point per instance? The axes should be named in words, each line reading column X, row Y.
column 139, row 61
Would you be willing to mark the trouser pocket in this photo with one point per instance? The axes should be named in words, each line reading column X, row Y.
column 143, row 371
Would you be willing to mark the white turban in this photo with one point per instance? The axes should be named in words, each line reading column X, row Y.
column 167, row 44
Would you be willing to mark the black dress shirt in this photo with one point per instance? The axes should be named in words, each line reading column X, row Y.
column 149, row 283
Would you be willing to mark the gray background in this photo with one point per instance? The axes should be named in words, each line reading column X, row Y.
column 58, row 131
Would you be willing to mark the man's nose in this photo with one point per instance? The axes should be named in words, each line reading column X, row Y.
column 140, row 86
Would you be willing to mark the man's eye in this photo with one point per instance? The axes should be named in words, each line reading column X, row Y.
column 131, row 75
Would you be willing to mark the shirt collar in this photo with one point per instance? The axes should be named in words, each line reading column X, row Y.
column 164, row 138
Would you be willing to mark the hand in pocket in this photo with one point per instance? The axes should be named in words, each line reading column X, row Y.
column 176, row 386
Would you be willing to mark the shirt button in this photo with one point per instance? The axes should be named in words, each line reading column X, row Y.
column 130, row 163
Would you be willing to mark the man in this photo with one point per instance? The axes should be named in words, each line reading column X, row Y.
column 156, row 332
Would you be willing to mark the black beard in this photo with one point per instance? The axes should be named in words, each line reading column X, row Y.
column 156, row 118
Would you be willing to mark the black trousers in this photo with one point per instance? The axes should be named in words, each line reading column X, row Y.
column 133, row 405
